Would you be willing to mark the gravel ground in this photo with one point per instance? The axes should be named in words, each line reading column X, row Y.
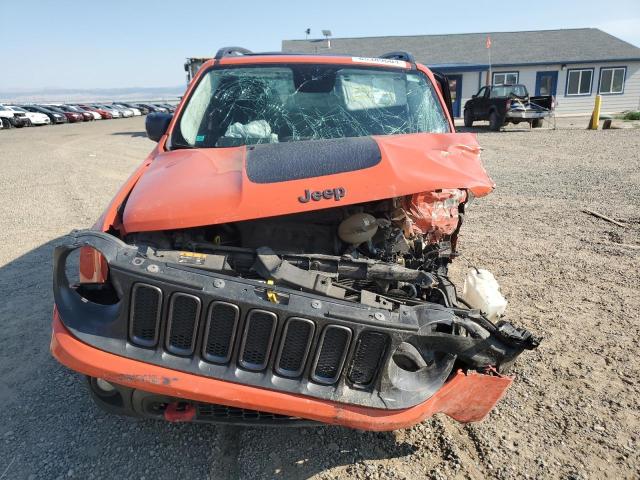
column 572, row 413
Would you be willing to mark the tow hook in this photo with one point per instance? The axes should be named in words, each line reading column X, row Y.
column 179, row 412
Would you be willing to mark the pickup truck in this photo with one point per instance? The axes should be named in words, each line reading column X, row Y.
column 502, row 104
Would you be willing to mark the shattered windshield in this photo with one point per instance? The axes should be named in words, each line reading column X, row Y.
column 250, row 105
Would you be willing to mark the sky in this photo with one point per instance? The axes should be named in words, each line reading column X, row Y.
column 142, row 43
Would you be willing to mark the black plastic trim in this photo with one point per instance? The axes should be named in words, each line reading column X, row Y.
column 334, row 379
column 234, row 330
column 303, row 363
column 274, row 323
column 141, row 341
column 194, row 335
column 231, row 52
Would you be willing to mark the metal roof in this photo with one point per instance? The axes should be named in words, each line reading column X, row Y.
column 580, row 45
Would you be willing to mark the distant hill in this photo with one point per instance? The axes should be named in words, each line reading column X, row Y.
column 76, row 95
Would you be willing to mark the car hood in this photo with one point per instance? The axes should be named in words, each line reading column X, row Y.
column 194, row 187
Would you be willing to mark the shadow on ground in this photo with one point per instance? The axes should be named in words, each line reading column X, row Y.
column 485, row 129
column 49, row 427
column 131, row 134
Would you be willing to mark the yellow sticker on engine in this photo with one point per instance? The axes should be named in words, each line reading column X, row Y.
column 192, row 258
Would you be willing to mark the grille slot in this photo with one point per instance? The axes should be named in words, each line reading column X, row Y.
column 257, row 339
column 370, row 349
column 207, row 411
column 184, row 312
column 294, row 347
column 144, row 316
column 221, row 330
column 332, row 351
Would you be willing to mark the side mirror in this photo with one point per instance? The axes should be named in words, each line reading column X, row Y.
column 156, row 124
column 474, row 96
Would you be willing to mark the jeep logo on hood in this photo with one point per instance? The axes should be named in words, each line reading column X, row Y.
column 316, row 195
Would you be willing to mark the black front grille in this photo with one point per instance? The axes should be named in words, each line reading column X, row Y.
column 370, row 350
column 309, row 349
column 221, row 329
column 294, row 349
column 144, row 320
column 257, row 339
column 332, row 351
column 184, row 312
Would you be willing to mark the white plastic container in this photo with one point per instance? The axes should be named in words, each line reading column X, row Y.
column 481, row 291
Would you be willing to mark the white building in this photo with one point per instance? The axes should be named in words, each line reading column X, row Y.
column 573, row 64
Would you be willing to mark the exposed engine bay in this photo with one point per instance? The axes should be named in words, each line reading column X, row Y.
column 383, row 254
column 387, row 254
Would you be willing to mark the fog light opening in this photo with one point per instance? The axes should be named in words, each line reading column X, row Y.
column 405, row 362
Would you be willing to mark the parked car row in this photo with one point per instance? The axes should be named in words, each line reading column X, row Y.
column 28, row 115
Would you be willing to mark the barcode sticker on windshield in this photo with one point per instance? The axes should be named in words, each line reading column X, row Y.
column 382, row 61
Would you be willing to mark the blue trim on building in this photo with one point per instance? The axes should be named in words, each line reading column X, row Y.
column 566, row 83
column 564, row 62
column 539, row 76
column 624, row 79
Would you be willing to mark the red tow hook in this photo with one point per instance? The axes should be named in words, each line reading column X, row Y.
column 179, row 412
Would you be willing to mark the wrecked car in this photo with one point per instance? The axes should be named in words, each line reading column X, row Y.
column 503, row 104
column 281, row 257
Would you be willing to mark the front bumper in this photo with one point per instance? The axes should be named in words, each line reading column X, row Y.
column 465, row 397
column 246, row 334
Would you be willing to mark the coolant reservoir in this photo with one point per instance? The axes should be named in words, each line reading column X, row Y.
column 481, row 291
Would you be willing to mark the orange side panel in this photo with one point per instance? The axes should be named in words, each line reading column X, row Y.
column 108, row 218
column 465, row 397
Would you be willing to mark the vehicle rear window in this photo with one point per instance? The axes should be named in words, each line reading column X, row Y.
column 271, row 104
column 508, row 90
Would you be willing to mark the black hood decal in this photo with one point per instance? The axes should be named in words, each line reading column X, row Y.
column 281, row 162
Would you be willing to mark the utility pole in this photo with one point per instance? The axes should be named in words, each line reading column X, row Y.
column 488, row 45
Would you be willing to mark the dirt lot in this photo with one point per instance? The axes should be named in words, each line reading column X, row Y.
column 573, row 411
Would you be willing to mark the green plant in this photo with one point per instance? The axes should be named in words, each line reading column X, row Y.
column 632, row 115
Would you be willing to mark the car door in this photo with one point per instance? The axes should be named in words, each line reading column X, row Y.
column 480, row 104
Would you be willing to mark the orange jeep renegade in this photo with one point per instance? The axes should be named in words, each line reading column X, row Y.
column 281, row 256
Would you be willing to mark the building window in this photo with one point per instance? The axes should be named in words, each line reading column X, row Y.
column 579, row 81
column 505, row 78
column 612, row 80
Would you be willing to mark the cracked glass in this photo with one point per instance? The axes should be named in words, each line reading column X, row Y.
column 270, row 104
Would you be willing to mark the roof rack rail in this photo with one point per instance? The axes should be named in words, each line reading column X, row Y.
column 231, row 52
column 406, row 56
